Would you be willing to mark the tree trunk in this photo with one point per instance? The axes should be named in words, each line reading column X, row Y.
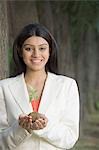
column 20, row 14
column 45, row 18
column 3, row 40
column 92, row 63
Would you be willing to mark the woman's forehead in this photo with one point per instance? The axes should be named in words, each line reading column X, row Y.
column 35, row 40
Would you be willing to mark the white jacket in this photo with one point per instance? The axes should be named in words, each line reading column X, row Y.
column 60, row 104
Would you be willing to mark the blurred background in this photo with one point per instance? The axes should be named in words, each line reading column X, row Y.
column 75, row 26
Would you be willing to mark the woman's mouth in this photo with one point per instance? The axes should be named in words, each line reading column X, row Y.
column 36, row 61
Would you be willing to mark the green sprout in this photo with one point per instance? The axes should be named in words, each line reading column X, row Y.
column 32, row 93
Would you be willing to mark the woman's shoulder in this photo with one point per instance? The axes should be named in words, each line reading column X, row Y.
column 61, row 78
column 9, row 80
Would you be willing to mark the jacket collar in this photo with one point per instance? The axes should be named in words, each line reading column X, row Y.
column 20, row 94
column 19, row 91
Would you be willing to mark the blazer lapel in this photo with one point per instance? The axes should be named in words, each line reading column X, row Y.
column 20, row 94
column 48, row 94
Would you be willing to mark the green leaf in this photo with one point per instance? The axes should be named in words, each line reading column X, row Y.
column 32, row 93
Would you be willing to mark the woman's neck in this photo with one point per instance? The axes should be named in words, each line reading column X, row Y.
column 36, row 81
column 32, row 77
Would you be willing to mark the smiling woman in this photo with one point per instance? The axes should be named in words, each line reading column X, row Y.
column 35, row 53
column 46, row 42
column 39, row 109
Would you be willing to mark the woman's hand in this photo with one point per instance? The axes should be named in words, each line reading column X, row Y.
column 25, row 121
column 33, row 121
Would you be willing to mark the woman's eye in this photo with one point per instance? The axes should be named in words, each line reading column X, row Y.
column 42, row 48
column 28, row 48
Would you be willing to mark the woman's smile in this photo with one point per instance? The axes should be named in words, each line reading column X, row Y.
column 36, row 61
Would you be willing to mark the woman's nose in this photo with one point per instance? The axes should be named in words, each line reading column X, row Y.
column 35, row 52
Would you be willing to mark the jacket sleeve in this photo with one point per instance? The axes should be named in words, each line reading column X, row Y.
column 10, row 136
column 63, row 133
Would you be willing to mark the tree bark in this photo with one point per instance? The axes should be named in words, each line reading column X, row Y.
column 92, row 67
column 3, row 40
column 45, row 18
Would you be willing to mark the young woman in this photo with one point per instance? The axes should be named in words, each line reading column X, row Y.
column 39, row 109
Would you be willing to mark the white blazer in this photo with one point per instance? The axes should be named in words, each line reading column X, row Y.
column 60, row 104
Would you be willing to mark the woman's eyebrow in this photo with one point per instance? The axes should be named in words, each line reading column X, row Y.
column 43, row 44
column 28, row 44
column 34, row 45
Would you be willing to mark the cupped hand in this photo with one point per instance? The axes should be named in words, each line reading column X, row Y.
column 39, row 120
column 33, row 121
column 25, row 121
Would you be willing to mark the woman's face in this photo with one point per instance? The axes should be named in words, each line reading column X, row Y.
column 35, row 53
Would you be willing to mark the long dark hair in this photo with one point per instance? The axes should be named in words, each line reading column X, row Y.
column 35, row 30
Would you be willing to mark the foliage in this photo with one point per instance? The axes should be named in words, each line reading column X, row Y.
column 82, row 15
column 97, row 105
column 96, row 99
column 11, row 63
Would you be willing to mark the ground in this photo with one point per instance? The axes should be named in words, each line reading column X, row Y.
column 89, row 138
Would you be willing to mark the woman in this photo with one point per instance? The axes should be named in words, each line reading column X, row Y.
column 37, row 88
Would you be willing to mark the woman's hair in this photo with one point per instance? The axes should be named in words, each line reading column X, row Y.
column 35, row 30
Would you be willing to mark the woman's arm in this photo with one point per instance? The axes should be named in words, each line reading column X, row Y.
column 64, row 132
column 10, row 136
